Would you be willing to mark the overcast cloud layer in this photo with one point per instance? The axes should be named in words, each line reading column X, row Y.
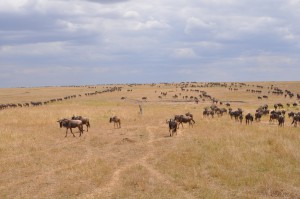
column 78, row 42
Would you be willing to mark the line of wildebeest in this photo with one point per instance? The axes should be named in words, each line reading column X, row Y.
column 40, row 103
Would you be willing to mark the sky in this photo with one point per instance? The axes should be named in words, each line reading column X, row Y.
column 88, row 42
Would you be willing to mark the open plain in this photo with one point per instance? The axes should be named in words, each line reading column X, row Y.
column 217, row 157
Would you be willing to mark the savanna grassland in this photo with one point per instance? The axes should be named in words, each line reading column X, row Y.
column 216, row 158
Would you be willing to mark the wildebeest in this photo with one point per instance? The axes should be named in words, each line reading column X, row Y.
column 291, row 114
column 258, row 116
column 249, row 118
column 296, row 119
column 238, row 114
column 172, row 127
column 183, row 119
column 85, row 121
column 281, row 120
column 207, row 112
column 69, row 124
column 241, row 117
column 295, row 104
column 116, row 120
column 274, row 116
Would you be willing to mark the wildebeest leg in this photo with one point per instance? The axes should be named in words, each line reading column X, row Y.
column 66, row 132
column 72, row 132
column 80, row 129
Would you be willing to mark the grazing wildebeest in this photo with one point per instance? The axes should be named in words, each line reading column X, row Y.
column 69, row 124
column 116, row 120
column 296, row 119
column 85, row 121
column 182, row 119
column 249, row 118
column 172, row 127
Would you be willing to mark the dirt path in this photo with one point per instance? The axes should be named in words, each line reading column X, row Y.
column 108, row 190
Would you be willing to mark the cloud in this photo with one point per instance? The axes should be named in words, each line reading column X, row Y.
column 131, row 14
column 122, row 40
column 106, row 1
column 184, row 53
column 151, row 24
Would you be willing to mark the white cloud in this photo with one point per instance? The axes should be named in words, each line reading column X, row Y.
column 131, row 14
column 151, row 24
column 184, row 53
column 196, row 23
column 34, row 49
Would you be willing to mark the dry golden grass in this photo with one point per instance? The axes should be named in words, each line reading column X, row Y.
column 216, row 158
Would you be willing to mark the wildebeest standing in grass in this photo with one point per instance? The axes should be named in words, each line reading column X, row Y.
column 172, row 127
column 281, row 120
column 69, row 124
column 249, row 118
column 116, row 121
column 85, row 121
column 258, row 116
column 273, row 116
column 241, row 117
column 183, row 119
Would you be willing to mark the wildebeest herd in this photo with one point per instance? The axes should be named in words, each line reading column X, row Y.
column 276, row 115
column 218, row 108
